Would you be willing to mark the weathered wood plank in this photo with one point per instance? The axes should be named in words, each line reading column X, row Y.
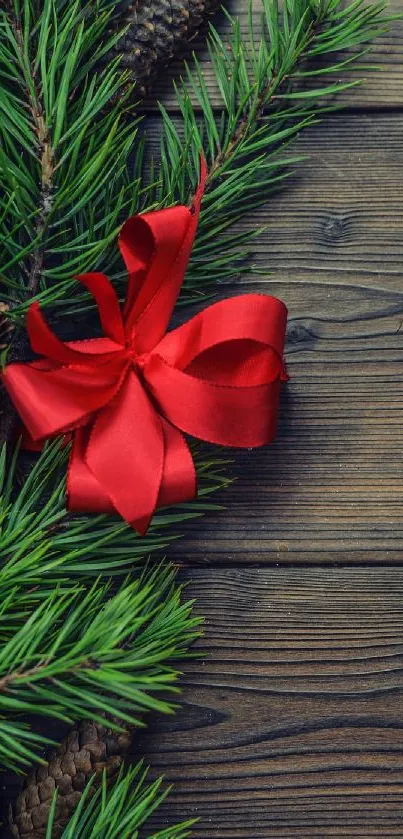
column 291, row 724
column 383, row 87
column 331, row 487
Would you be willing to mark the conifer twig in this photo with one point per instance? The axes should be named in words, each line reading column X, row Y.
column 66, row 641
column 267, row 83
column 83, row 652
column 45, row 156
column 51, row 93
column 65, row 183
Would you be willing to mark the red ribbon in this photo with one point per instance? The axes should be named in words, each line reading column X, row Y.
column 128, row 396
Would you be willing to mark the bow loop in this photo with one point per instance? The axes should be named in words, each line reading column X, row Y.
column 217, row 377
column 127, row 396
column 108, row 304
column 44, row 341
column 156, row 250
column 241, row 321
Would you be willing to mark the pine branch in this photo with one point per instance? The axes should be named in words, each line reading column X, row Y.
column 70, row 648
column 267, row 98
column 83, row 652
column 45, row 154
column 65, row 184
column 269, row 94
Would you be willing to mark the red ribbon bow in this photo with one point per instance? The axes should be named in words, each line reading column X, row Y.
column 128, row 396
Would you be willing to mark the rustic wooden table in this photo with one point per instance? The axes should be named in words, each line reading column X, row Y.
column 292, row 722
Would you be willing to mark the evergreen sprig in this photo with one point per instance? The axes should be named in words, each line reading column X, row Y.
column 117, row 811
column 85, row 651
column 72, row 168
column 270, row 89
column 64, row 180
column 73, row 648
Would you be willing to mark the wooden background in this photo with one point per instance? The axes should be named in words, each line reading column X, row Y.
column 292, row 722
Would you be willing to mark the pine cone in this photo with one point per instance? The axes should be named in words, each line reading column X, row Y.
column 88, row 748
column 159, row 30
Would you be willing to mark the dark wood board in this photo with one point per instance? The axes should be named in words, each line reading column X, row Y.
column 291, row 723
column 330, row 489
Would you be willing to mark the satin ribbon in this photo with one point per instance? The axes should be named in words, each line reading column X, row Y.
column 127, row 397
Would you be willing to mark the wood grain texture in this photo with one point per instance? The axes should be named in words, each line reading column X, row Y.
column 330, row 489
column 291, row 724
column 383, row 87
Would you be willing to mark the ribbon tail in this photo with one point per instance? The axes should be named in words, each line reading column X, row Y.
column 84, row 492
column 124, row 455
column 179, row 482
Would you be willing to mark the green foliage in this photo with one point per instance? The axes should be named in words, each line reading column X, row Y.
column 119, row 810
column 269, row 91
column 71, row 647
column 84, row 651
column 38, row 537
column 72, row 650
column 64, row 180
column 65, row 184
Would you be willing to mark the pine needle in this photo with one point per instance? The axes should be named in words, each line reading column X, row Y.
column 39, row 537
column 71, row 168
column 118, row 811
column 268, row 86
column 75, row 652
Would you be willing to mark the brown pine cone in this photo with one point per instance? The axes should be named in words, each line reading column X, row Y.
column 88, row 748
column 159, row 30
